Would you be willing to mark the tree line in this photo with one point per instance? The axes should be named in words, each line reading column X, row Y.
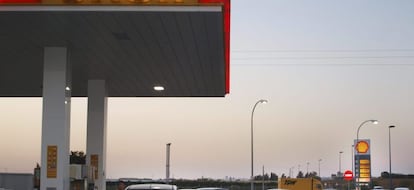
column 275, row 177
column 394, row 175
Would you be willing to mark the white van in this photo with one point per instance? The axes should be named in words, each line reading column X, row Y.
column 151, row 186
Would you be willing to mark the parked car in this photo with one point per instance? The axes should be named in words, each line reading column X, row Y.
column 151, row 186
column 401, row 188
column 211, row 188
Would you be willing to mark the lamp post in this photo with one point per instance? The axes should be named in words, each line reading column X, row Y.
column 389, row 143
column 319, row 167
column 307, row 168
column 254, row 108
column 339, row 172
column 373, row 121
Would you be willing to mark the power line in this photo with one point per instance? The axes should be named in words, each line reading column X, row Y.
column 321, row 50
column 243, row 56
column 321, row 64
column 326, row 57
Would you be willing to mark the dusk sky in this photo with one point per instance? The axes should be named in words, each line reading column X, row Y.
column 325, row 66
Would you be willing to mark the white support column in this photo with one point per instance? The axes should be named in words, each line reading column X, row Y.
column 96, row 132
column 56, row 120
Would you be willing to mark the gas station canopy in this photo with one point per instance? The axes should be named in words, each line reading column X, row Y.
column 134, row 47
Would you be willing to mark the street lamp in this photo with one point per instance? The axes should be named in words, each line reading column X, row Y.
column 339, row 172
column 373, row 121
column 362, row 124
column 254, row 108
column 389, row 143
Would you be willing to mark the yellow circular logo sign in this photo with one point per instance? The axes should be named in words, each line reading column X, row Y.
column 362, row 147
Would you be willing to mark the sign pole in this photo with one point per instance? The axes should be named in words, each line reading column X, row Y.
column 349, row 185
column 348, row 176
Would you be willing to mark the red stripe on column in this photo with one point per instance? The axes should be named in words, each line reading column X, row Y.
column 226, row 21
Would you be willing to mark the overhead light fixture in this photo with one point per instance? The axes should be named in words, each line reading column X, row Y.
column 67, row 88
column 263, row 101
column 158, row 88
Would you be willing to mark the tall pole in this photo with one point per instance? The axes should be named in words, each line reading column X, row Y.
column 352, row 158
column 319, row 167
column 339, row 172
column 353, row 162
column 307, row 168
column 290, row 172
column 251, row 124
column 263, row 179
column 167, row 175
column 356, row 146
column 389, row 143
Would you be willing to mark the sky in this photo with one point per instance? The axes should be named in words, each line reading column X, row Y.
column 325, row 66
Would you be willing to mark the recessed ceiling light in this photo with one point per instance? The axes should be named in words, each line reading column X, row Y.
column 158, row 88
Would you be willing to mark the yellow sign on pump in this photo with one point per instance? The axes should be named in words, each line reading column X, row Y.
column 51, row 161
column 95, row 165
